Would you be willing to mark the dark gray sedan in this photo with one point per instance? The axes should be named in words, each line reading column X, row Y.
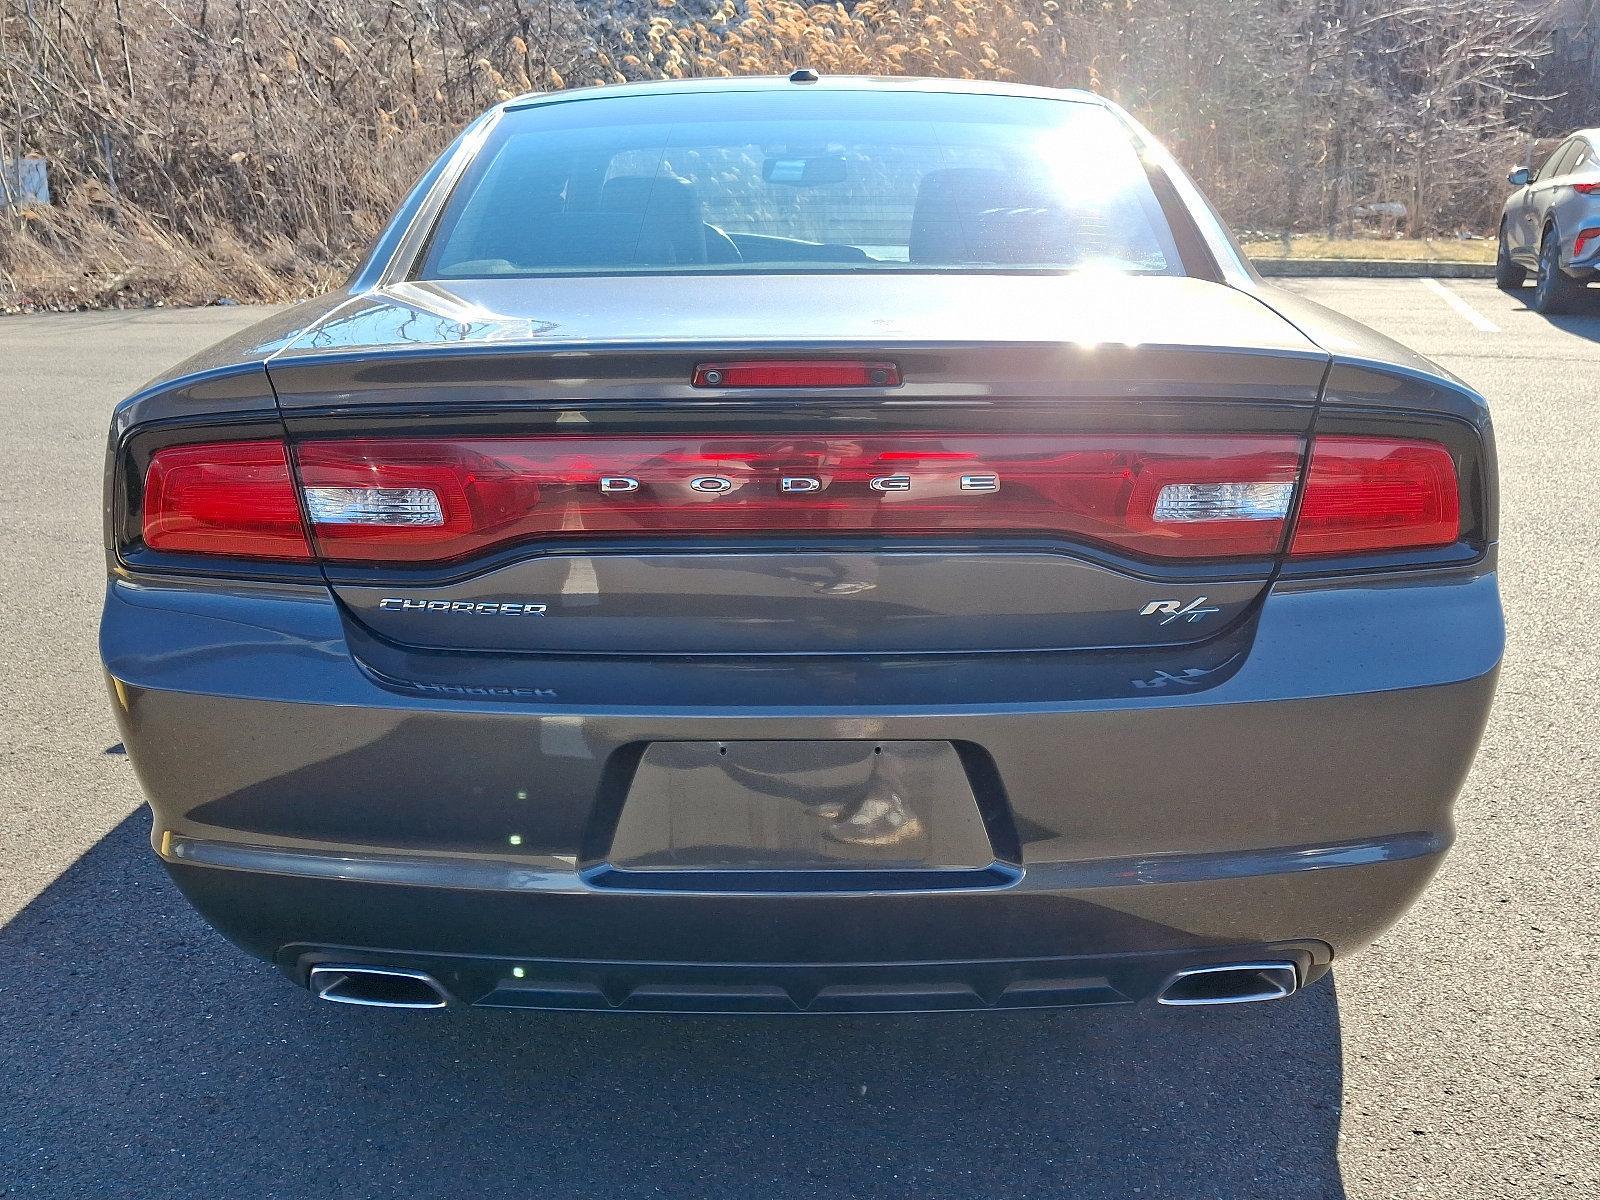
column 802, row 546
column 1550, row 226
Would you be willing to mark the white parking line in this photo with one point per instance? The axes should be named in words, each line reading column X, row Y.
column 1471, row 315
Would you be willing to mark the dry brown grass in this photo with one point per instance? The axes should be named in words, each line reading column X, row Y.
column 203, row 150
column 74, row 256
column 1473, row 250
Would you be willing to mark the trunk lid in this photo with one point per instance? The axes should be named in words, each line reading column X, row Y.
column 701, row 312
column 1057, row 357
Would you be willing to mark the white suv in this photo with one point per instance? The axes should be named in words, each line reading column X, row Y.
column 1551, row 225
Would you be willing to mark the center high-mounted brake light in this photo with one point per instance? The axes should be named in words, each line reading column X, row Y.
column 807, row 373
column 1180, row 496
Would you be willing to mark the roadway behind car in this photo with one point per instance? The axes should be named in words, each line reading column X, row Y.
column 1456, row 1057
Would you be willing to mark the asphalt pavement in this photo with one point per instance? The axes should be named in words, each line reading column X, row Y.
column 140, row 1055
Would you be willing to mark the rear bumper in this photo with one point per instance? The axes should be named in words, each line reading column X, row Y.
column 821, row 987
column 314, row 814
column 1033, row 946
column 1586, row 266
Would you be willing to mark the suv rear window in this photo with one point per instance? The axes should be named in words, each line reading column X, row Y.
column 803, row 181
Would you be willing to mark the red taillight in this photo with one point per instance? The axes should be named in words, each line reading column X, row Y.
column 1172, row 496
column 1175, row 496
column 810, row 373
column 1587, row 189
column 1585, row 236
column 233, row 498
column 1367, row 494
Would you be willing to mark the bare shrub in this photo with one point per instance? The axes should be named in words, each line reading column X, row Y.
column 241, row 148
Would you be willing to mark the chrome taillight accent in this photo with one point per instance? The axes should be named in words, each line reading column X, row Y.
column 1224, row 501
column 373, row 506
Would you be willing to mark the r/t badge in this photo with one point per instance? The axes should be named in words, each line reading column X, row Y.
column 1173, row 610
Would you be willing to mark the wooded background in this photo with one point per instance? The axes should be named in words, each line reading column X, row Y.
column 250, row 149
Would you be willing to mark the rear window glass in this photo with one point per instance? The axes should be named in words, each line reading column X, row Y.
column 803, row 181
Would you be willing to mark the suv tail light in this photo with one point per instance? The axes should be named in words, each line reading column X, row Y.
column 1172, row 497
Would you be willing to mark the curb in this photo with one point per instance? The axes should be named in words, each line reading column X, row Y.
column 1369, row 268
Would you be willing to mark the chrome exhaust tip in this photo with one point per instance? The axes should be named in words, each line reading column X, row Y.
column 1230, row 983
column 377, row 987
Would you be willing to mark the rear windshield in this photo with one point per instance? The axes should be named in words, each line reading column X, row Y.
column 803, row 180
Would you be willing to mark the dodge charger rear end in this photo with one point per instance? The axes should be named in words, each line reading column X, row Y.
column 802, row 546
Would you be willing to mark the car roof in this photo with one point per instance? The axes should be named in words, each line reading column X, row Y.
column 777, row 83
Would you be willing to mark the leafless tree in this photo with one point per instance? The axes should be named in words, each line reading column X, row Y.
column 254, row 147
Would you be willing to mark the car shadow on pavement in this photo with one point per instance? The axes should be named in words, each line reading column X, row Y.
column 1583, row 322
column 145, row 1056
